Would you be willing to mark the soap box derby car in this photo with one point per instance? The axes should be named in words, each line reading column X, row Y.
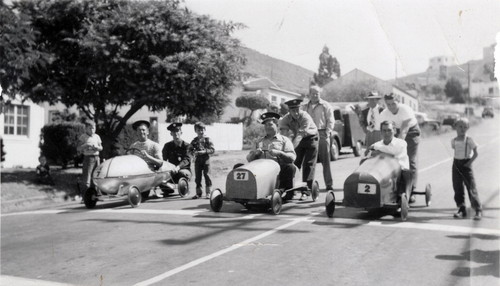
column 377, row 183
column 255, row 185
column 128, row 176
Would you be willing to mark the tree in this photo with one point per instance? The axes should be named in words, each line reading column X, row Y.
column 130, row 54
column 252, row 102
column 453, row 89
column 328, row 66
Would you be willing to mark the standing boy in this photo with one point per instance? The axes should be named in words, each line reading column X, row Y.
column 201, row 148
column 90, row 146
column 465, row 153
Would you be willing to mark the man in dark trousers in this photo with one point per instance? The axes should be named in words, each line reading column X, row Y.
column 176, row 152
column 370, row 119
column 305, row 139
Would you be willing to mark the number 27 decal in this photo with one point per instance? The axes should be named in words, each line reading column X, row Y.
column 240, row 176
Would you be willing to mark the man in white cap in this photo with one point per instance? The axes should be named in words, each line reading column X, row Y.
column 370, row 119
column 145, row 148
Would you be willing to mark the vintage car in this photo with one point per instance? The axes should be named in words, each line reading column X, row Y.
column 376, row 184
column 347, row 132
column 255, row 186
column 450, row 119
column 425, row 122
column 488, row 112
column 125, row 176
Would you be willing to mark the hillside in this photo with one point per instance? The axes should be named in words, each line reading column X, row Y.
column 286, row 75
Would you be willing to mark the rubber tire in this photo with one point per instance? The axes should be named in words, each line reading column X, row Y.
column 356, row 149
column 314, row 191
column 330, row 203
column 90, row 198
column 404, row 206
column 216, row 200
column 276, row 202
column 134, row 196
column 183, row 187
column 334, row 150
column 428, row 194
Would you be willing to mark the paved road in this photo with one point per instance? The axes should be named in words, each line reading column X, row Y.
column 178, row 241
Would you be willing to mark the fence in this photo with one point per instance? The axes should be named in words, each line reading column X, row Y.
column 226, row 136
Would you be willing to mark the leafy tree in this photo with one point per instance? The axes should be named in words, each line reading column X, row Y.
column 119, row 54
column 252, row 102
column 436, row 89
column 453, row 89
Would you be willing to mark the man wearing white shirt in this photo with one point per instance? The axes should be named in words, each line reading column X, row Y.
column 371, row 119
column 391, row 145
column 407, row 128
column 322, row 115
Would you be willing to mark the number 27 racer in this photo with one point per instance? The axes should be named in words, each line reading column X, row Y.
column 255, row 185
column 379, row 182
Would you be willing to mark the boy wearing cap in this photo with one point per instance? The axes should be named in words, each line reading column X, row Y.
column 145, row 148
column 276, row 147
column 304, row 138
column 407, row 126
column 371, row 118
column 201, row 147
column 322, row 114
column 90, row 146
column 176, row 152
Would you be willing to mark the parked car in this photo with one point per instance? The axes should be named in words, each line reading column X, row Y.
column 347, row 132
column 424, row 121
column 450, row 119
column 488, row 112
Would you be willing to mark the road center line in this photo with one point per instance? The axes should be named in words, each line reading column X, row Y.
column 218, row 253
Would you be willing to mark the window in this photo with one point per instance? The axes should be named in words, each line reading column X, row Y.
column 54, row 116
column 16, row 120
column 490, row 90
column 274, row 98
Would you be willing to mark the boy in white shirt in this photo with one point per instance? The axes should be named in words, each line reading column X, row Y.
column 90, row 146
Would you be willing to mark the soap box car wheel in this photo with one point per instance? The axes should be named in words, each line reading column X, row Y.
column 216, row 200
column 134, row 197
column 404, row 207
column 334, row 150
column 90, row 198
column 183, row 187
column 330, row 203
column 276, row 202
column 315, row 191
column 428, row 194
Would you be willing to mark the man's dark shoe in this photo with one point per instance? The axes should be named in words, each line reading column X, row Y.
column 461, row 213
column 479, row 215
column 412, row 199
column 329, row 188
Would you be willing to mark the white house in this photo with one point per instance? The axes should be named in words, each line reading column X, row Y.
column 21, row 127
column 406, row 97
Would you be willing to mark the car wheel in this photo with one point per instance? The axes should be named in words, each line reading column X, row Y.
column 428, row 195
column 134, row 196
column 404, row 207
column 315, row 191
column 330, row 203
column 90, row 198
column 276, row 202
column 183, row 187
column 334, row 150
column 216, row 200
column 356, row 149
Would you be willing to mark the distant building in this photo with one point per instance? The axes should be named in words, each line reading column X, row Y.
column 436, row 62
column 406, row 97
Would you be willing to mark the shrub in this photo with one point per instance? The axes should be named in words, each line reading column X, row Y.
column 252, row 133
column 128, row 136
column 60, row 142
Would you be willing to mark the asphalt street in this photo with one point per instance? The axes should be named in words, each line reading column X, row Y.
column 176, row 241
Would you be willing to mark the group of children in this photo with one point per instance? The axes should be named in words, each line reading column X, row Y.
column 465, row 152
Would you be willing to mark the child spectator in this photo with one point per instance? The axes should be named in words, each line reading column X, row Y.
column 89, row 145
column 43, row 172
column 465, row 153
column 201, row 147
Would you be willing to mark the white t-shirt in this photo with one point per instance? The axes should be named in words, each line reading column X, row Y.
column 397, row 148
column 404, row 113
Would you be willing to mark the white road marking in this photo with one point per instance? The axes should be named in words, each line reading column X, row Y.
column 150, row 211
column 12, row 281
column 215, row 254
column 34, row 212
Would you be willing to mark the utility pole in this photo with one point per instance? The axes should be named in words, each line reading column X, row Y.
column 468, row 82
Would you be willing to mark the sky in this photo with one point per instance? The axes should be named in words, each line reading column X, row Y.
column 386, row 38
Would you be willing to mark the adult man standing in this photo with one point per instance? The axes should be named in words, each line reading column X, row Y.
column 370, row 119
column 322, row 115
column 407, row 128
column 276, row 147
column 304, row 138
column 176, row 152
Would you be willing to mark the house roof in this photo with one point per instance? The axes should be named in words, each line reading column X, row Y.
column 258, row 83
